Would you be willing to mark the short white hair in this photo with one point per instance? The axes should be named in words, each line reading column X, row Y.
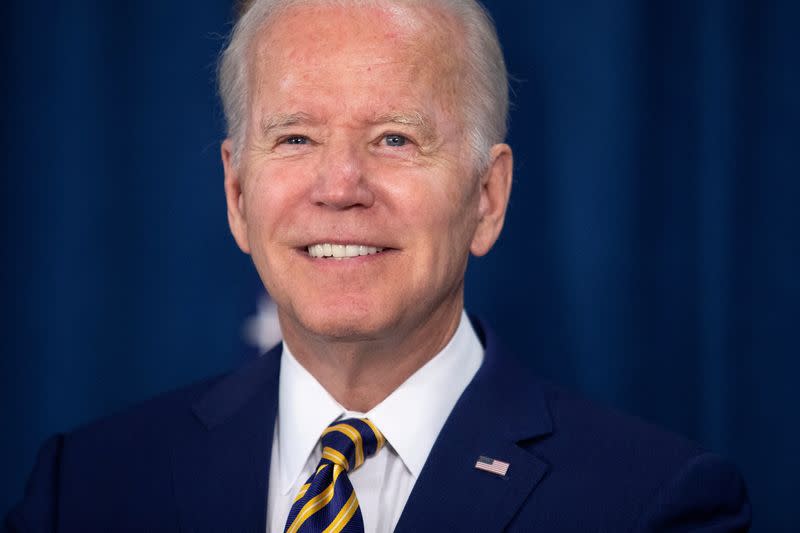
column 485, row 106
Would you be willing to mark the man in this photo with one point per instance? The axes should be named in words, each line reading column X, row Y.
column 365, row 161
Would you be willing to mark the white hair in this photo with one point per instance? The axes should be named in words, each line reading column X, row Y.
column 485, row 108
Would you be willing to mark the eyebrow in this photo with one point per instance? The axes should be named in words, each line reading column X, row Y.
column 414, row 119
column 283, row 120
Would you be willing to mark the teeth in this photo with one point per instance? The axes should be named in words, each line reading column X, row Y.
column 341, row 251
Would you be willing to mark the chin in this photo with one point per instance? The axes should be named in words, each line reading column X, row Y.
column 351, row 323
column 337, row 329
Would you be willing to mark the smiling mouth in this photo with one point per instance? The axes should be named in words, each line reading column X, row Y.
column 342, row 251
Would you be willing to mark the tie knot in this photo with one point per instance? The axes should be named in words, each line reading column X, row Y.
column 348, row 442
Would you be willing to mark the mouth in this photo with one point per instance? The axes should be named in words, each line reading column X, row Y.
column 342, row 251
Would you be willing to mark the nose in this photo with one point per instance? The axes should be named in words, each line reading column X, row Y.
column 341, row 182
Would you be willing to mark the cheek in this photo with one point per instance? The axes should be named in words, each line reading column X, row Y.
column 449, row 227
column 268, row 203
column 442, row 205
column 462, row 210
column 258, row 211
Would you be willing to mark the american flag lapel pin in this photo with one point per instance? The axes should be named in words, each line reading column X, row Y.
column 487, row 464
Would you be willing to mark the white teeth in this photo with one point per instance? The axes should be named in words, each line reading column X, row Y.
column 341, row 251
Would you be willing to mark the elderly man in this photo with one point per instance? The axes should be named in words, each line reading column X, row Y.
column 364, row 163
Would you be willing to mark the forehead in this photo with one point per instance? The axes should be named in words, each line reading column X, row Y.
column 334, row 48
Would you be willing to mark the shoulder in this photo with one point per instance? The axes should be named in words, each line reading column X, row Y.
column 124, row 464
column 604, row 470
column 142, row 425
column 584, row 426
column 156, row 423
column 632, row 474
column 159, row 411
column 132, row 444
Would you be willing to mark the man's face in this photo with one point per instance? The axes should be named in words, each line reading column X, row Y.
column 355, row 145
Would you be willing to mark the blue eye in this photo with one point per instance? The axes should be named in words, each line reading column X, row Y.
column 296, row 139
column 395, row 140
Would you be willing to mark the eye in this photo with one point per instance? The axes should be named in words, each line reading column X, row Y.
column 395, row 140
column 295, row 139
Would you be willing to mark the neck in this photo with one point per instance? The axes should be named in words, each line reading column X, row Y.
column 360, row 374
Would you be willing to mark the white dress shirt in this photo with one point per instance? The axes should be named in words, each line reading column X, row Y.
column 410, row 418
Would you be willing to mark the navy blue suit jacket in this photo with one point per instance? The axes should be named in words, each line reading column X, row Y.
column 198, row 460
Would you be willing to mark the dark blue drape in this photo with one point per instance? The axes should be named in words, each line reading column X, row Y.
column 650, row 258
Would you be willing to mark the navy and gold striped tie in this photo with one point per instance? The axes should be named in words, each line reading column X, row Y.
column 327, row 502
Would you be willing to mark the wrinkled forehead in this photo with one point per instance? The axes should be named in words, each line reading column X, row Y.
column 427, row 41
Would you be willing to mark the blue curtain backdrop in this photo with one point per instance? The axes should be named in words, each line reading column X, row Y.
column 650, row 259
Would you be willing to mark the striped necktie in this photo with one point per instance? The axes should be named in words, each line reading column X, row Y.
column 327, row 502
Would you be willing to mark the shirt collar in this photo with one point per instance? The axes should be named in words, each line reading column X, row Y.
column 305, row 409
column 410, row 418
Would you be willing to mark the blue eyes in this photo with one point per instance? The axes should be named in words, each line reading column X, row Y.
column 395, row 140
column 392, row 140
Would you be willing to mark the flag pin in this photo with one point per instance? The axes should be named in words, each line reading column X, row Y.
column 487, row 464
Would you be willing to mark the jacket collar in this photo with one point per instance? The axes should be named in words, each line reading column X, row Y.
column 503, row 406
column 221, row 465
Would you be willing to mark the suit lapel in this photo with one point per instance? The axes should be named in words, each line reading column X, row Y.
column 221, row 466
column 497, row 410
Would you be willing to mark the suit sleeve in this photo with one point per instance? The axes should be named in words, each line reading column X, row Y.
column 37, row 512
column 707, row 495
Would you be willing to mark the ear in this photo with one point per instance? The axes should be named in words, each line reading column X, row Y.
column 495, row 188
column 234, row 197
